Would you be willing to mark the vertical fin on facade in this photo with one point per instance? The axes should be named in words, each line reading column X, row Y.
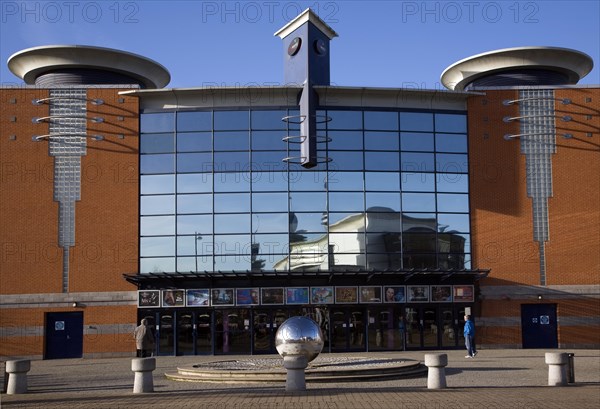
column 67, row 144
column 538, row 144
column 306, row 63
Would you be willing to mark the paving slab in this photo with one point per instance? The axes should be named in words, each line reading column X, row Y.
column 500, row 378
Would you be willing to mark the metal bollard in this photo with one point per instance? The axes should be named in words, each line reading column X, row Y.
column 571, row 368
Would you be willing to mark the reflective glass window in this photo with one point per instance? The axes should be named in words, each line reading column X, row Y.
column 232, row 141
column 232, row 223
column 417, row 162
column 268, row 119
column 346, row 201
column 194, row 162
column 232, row 202
column 268, row 161
column 192, row 224
column 194, row 203
column 345, row 140
column 270, row 202
column 346, row 222
column 445, row 142
column 201, row 244
column 272, row 245
column 157, row 225
column 382, row 161
column 307, row 201
column 451, row 123
column 416, row 121
column 159, row 122
column 347, row 242
column 382, row 181
column 307, row 222
column 346, row 160
column 345, row 119
column 385, row 141
column 303, row 180
column 232, row 182
column 200, row 263
column 269, row 181
column 453, row 222
column 383, row 121
column 233, row 244
column 270, row 222
column 452, row 182
column 157, row 143
column 418, row 182
column 383, row 201
column 156, row 184
column 418, row 202
column 157, row 246
column 194, row 142
column 453, row 202
column 163, row 163
column 230, row 263
column 194, row 121
column 383, row 221
column 268, row 140
column 232, row 161
column 194, row 183
column 452, row 163
column 411, row 141
column 157, row 265
column 419, row 221
column 163, row 204
column 345, row 181
column 419, row 242
column 231, row 120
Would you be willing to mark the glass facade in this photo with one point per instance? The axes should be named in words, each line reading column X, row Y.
column 215, row 193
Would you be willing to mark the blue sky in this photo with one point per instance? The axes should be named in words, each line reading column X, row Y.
column 380, row 43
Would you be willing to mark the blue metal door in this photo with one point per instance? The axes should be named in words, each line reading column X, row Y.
column 539, row 327
column 64, row 335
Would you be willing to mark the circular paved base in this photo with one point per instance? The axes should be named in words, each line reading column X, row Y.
column 322, row 369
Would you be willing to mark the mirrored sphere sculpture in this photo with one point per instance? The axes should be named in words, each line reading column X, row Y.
column 299, row 336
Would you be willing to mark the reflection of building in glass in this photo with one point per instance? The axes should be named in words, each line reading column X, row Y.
column 420, row 244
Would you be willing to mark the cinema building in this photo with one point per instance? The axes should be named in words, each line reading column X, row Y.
column 384, row 214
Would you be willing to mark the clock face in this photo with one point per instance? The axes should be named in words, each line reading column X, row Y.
column 320, row 47
column 294, row 46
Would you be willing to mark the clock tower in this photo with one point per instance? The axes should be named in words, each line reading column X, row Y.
column 306, row 63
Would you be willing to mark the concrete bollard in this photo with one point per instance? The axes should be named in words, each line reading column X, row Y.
column 436, row 374
column 557, row 368
column 143, row 368
column 295, row 366
column 17, row 376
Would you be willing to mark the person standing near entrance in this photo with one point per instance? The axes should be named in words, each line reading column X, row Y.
column 402, row 329
column 144, row 339
column 469, row 332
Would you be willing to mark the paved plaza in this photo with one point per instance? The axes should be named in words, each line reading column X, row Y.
column 500, row 378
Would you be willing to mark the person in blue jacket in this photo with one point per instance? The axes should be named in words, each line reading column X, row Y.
column 469, row 332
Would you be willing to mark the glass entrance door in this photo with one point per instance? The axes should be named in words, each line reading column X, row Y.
column 425, row 327
column 348, row 329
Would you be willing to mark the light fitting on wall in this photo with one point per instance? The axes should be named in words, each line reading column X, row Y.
column 565, row 118
column 514, row 136
column 564, row 101
column 540, row 297
column 41, row 101
column 38, row 138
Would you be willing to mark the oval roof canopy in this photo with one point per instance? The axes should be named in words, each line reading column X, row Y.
column 571, row 63
column 31, row 63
